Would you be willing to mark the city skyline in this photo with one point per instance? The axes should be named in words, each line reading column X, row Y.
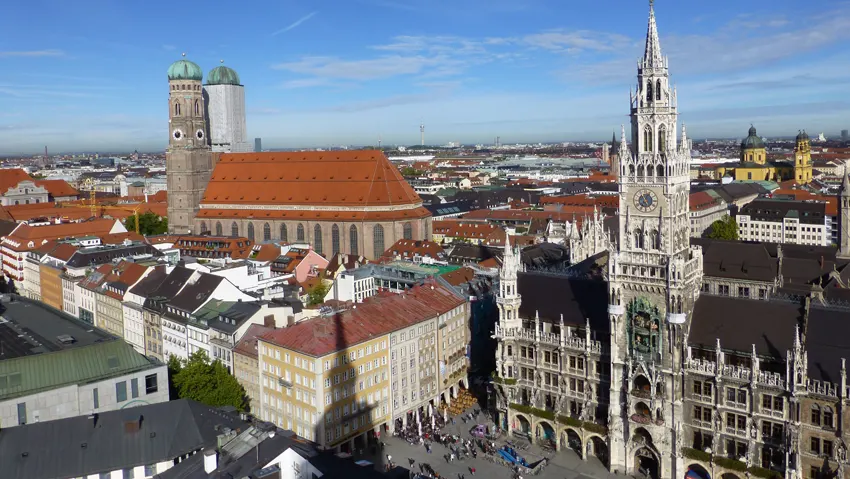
column 470, row 72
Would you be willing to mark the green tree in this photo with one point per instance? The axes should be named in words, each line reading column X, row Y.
column 409, row 171
column 149, row 224
column 206, row 382
column 317, row 294
column 725, row 228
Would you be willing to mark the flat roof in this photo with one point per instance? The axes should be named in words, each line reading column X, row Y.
column 28, row 328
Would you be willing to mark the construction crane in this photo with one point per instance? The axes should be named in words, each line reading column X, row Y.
column 95, row 215
column 89, row 185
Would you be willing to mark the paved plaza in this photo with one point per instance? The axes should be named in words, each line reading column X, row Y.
column 562, row 464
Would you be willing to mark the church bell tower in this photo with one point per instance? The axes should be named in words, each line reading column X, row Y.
column 188, row 161
column 653, row 276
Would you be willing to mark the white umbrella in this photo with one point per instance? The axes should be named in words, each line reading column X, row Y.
column 420, row 429
column 432, row 423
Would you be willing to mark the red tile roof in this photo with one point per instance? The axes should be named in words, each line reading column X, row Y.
column 375, row 317
column 64, row 251
column 326, row 178
column 25, row 233
column 57, row 188
column 459, row 276
column 10, row 177
column 701, row 200
column 407, row 249
column 247, row 346
column 299, row 215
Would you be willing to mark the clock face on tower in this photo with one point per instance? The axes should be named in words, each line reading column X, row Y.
column 177, row 134
column 646, row 200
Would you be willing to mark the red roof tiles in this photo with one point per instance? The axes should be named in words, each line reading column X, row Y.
column 375, row 317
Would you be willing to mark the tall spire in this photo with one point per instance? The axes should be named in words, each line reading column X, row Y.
column 652, row 56
column 845, row 183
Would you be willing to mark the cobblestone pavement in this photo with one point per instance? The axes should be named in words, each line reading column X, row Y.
column 562, row 464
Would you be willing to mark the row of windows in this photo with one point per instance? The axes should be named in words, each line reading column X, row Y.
column 318, row 243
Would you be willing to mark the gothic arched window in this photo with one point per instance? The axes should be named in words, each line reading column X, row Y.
column 197, row 108
column 218, row 230
column 658, row 90
column 335, row 239
column 638, row 238
column 283, row 233
column 251, row 231
column 649, row 91
column 234, row 229
column 317, row 239
column 267, row 232
column 299, row 233
column 407, row 231
column 352, row 237
column 647, row 139
column 815, row 414
column 203, row 227
column 378, row 241
column 662, row 139
column 177, row 109
column 632, row 170
column 659, row 171
column 640, row 171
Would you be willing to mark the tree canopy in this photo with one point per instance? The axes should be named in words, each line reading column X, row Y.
column 205, row 381
column 317, row 294
column 149, row 224
column 725, row 228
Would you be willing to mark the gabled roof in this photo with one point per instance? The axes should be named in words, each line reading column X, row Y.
column 171, row 285
column 247, row 346
column 149, row 283
column 10, row 177
column 327, row 178
column 114, row 440
column 25, row 233
column 408, row 248
column 195, row 295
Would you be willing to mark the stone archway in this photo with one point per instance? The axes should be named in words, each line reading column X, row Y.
column 546, row 432
column 522, row 424
column 572, row 440
column 646, row 463
column 696, row 471
column 598, row 448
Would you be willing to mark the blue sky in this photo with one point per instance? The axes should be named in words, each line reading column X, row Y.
column 90, row 75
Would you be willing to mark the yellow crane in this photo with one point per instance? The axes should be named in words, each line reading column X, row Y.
column 89, row 185
column 93, row 206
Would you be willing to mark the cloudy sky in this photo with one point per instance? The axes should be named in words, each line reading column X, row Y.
column 90, row 75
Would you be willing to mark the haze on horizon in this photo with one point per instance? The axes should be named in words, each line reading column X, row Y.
column 541, row 71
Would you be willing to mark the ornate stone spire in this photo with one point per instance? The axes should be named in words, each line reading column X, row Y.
column 652, row 55
column 845, row 183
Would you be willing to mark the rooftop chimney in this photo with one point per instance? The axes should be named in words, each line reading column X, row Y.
column 210, row 461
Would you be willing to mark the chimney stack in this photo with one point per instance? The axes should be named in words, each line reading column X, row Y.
column 210, row 461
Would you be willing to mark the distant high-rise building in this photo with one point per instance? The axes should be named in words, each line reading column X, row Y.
column 225, row 98
column 258, row 144
column 845, row 135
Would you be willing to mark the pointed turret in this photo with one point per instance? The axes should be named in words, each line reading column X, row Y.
column 845, row 184
column 652, row 57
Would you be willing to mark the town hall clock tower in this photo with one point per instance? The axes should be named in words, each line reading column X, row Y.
column 654, row 275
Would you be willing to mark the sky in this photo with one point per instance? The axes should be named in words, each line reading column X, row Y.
column 90, row 75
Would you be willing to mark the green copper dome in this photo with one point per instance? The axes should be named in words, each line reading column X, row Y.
column 185, row 70
column 222, row 75
column 752, row 141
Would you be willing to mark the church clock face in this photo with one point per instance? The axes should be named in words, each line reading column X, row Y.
column 177, row 134
column 646, row 200
column 200, row 134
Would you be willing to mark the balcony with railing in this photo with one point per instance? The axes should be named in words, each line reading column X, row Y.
column 571, row 342
column 821, row 388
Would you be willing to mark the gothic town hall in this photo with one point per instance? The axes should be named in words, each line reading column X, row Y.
column 668, row 356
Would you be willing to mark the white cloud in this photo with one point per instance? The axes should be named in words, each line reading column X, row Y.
column 295, row 24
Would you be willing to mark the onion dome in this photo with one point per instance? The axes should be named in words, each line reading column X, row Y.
column 185, row 70
column 222, row 75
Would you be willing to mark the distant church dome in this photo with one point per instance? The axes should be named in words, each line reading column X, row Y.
column 752, row 141
column 802, row 136
column 185, row 70
column 222, row 75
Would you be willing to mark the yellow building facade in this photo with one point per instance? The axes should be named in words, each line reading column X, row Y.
column 337, row 400
column 753, row 163
column 803, row 159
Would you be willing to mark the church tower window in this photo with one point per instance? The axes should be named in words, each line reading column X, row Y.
column 352, row 236
column 649, row 92
column 177, row 109
column 317, row 239
column 334, row 240
column 658, row 90
column 378, row 241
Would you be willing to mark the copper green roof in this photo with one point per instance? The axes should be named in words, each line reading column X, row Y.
column 222, row 75
column 26, row 375
column 752, row 141
column 185, row 70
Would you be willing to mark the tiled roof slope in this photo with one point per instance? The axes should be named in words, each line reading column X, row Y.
column 338, row 178
column 10, row 177
column 58, row 188
column 377, row 316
